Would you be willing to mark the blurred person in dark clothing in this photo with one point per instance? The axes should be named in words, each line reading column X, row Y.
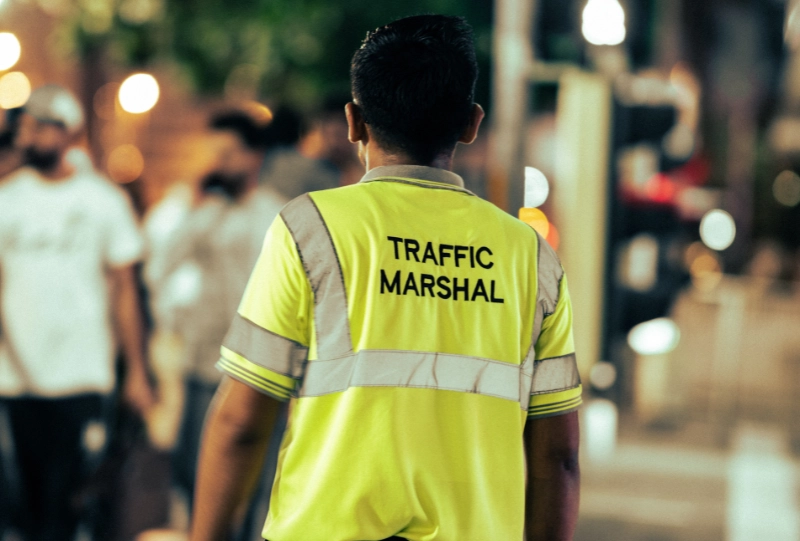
column 286, row 169
column 68, row 243
column 197, row 276
column 327, row 141
column 10, row 155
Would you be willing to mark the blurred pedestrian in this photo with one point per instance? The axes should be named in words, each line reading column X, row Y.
column 200, row 271
column 327, row 141
column 68, row 242
column 10, row 155
column 286, row 169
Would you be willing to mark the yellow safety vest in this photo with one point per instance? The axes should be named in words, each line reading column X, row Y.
column 416, row 327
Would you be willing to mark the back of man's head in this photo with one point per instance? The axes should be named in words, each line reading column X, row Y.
column 414, row 81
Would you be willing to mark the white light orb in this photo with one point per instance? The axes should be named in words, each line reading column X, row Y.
column 654, row 337
column 10, row 50
column 603, row 22
column 139, row 93
column 536, row 188
column 717, row 229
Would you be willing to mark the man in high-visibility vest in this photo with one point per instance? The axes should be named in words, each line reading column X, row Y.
column 423, row 336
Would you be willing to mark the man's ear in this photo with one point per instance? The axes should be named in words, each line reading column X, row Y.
column 471, row 132
column 356, row 127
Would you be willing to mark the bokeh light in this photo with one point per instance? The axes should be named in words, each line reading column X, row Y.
column 125, row 164
column 139, row 93
column 603, row 22
column 15, row 89
column 259, row 112
column 536, row 219
column 553, row 237
column 706, row 271
column 603, row 375
column 654, row 337
column 10, row 50
column 536, row 187
column 786, row 189
column 717, row 229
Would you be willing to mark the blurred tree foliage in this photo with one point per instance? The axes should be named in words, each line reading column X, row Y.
column 283, row 50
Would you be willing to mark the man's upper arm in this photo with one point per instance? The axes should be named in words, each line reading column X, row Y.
column 268, row 341
column 556, row 386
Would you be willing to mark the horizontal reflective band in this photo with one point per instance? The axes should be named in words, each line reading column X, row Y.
column 555, row 374
column 416, row 369
column 318, row 254
column 250, row 376
column 265, row 348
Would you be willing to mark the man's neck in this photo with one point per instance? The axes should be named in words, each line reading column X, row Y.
column 376, row 157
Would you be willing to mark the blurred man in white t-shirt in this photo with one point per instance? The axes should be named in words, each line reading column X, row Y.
column 68, row 242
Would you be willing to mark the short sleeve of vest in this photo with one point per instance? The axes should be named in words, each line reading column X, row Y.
column 556, row 386
column 267, row 343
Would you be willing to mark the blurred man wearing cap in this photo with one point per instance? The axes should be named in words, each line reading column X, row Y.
column 68, row 240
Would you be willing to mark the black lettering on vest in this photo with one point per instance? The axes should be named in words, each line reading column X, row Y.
column 412, row 247
column 411, row 283
column 396, row 241
column 444, row 285
column 391, row 286
column 495, row 299
column 426, row 281
column 480, row 291
column 480, row 261
column 458, row 255
column 464, row 289
column 443, row 253
column 429, row 254
column 472, row 257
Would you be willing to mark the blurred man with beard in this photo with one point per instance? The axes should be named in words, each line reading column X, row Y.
column 200, row 271
column 68, row 242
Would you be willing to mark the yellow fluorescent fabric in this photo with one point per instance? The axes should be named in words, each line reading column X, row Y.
column 426, row 464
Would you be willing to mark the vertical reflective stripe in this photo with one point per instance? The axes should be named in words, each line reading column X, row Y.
column 548, row 279
column 318, row 254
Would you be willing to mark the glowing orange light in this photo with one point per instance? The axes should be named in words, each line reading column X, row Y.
column 125, row 164
column 553, row 237
column 536, row 219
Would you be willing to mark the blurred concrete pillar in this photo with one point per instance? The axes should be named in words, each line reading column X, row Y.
column 581, row 201
column 513, row 56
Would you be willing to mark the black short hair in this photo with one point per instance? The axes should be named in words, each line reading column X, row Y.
column 288, row 126
column 414, row 80
column 252, row 133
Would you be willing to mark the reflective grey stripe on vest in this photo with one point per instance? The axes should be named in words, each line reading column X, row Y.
column 265, row 348
column 546, row 375
column 318, row 254
column 416, row 369
column 556, row 374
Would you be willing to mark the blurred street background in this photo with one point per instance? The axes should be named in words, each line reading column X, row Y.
column 654, row 143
